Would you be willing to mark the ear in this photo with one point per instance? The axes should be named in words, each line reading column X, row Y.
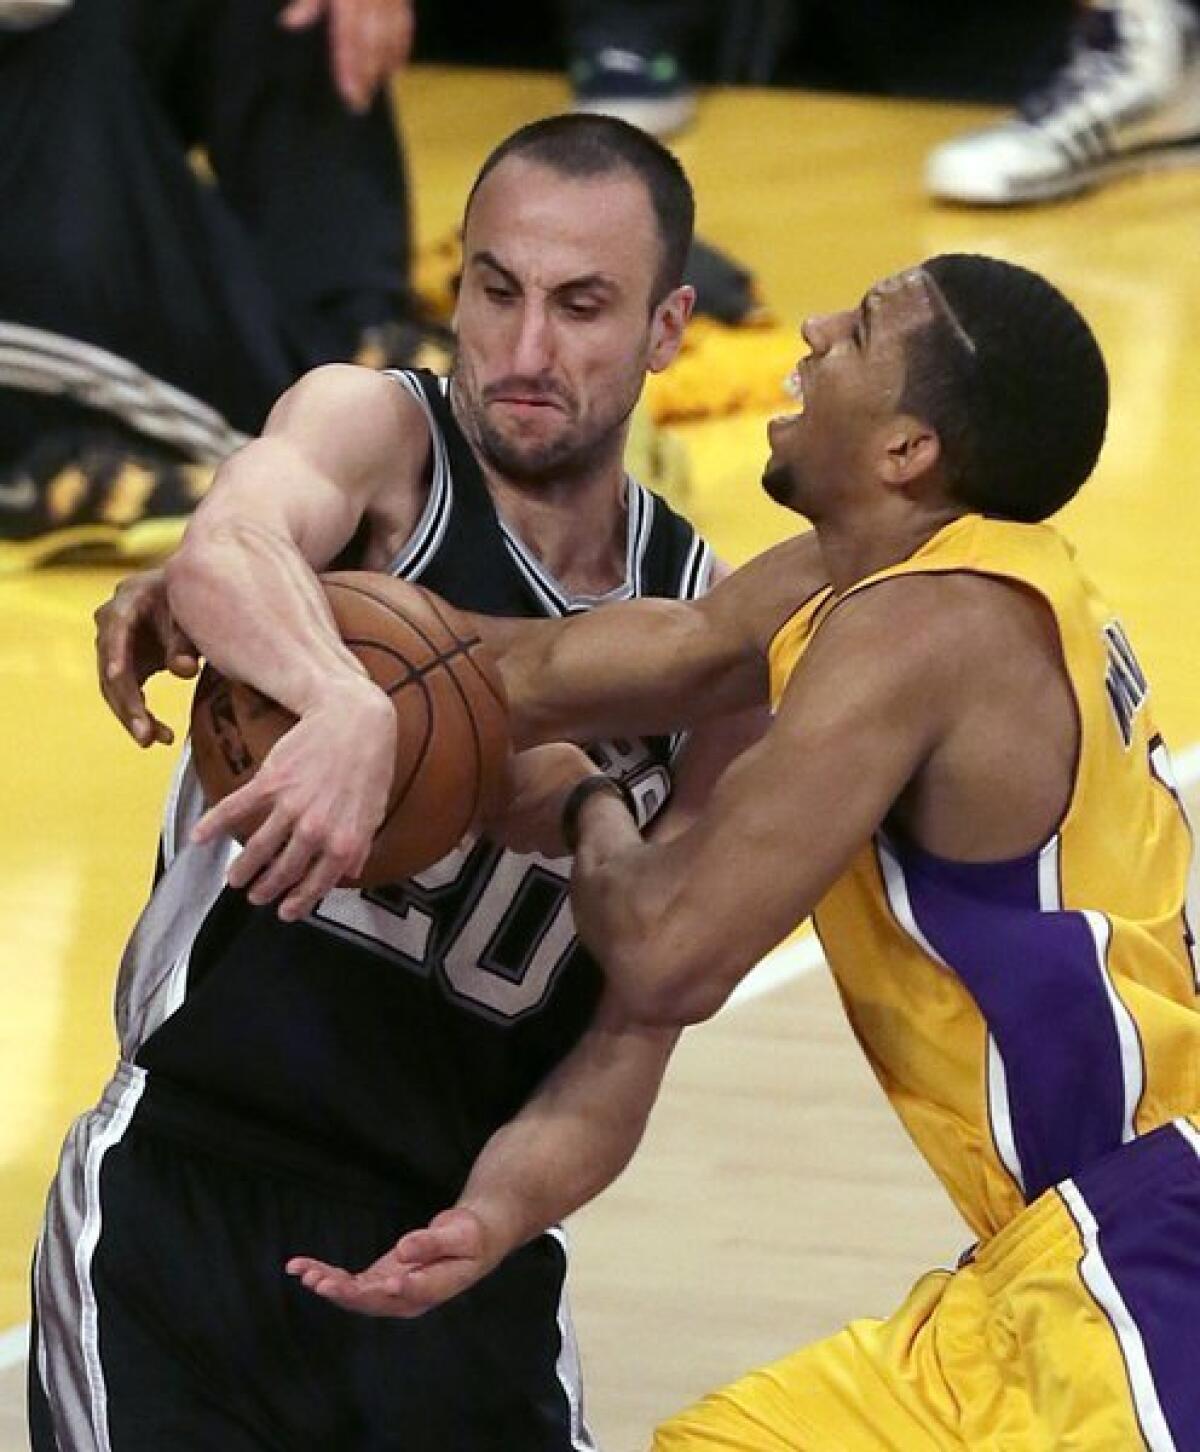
column 667, row 326
column 911, row 451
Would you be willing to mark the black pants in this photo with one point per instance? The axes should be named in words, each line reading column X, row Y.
column 224, row 291
column 165, row 1322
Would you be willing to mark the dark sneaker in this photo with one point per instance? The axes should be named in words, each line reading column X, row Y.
column 1127, row 99
column 650, row 92
column 101, row 503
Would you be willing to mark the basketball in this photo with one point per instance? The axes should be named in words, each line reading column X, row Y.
column 452, row 742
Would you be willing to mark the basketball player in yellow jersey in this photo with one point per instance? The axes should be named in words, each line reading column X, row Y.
column 964, row 786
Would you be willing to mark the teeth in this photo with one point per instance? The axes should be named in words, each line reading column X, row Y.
column 794, row 388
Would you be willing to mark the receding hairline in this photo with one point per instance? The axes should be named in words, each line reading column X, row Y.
column 620, row 169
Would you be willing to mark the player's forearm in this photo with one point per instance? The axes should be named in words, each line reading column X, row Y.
column 641, row 667
column 243, row 592
column 656, row 917
column 572, row 1139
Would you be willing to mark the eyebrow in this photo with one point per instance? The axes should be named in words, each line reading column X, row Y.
column 489, row 259
column 595, row 281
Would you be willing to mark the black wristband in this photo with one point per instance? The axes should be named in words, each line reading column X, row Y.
column 579, row 794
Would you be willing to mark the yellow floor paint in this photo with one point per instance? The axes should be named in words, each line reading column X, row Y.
column 820, row 196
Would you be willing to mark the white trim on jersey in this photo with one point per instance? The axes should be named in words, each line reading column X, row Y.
column 50, row 363
column 554, row 598
column 695, row 580
column 1163, row 770
column 999, row 1111
column 1049, row 880
column 1096, row 1276
column 40, row 1350
column 1133, row 1067
column 426, row 538
column 85, row 1249
column 1190, row 1133
column 567, row 1368
column 170, row 832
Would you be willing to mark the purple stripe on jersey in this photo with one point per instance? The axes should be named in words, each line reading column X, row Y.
column 1146, row 1202
column 1035, row 978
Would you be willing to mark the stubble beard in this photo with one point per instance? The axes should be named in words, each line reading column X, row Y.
column 571, row 455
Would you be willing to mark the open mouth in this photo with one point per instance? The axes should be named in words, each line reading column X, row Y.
column 793, row 386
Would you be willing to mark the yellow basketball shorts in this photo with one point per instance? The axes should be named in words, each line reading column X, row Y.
column 1075, row 1329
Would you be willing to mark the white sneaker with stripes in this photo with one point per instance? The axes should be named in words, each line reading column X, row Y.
column 1127, row 99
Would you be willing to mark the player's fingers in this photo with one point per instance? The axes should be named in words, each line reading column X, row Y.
column 435, row 1243
column 124, row 697
column 290, row 865
column 326, row 871
column 263, row 847
column 183, row 659
column 235, row 811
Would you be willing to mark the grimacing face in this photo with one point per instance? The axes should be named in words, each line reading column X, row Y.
column 554, row 324
column 849, row 385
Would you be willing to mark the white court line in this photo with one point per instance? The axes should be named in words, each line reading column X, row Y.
column 793, row 960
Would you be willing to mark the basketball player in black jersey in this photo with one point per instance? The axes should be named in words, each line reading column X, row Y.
column 306, row 1068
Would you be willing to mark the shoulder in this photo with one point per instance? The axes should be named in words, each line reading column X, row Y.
column 951, row 610
column 326, row 394
column 762, row 594
column 931, row 639
column 353, row 423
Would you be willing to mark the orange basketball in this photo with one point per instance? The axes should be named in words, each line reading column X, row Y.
column 452, row 743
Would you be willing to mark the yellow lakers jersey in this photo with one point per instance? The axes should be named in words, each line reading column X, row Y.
column 1027, row 1016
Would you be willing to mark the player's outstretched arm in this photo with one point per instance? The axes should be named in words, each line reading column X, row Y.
column 570, row 1141
column 649, row 666
column 677, row 925
column 243, row 587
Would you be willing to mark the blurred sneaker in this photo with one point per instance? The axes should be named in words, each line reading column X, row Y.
column 1127, row 99
column 650, row 92
column 27, row 14
column 100, row 504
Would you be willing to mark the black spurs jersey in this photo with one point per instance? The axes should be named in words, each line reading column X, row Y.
column 397, row 1027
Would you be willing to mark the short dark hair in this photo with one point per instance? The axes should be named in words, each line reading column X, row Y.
column 1013, row 380
column 580, row 145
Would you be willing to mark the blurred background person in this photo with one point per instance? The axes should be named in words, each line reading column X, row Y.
column 151, row 310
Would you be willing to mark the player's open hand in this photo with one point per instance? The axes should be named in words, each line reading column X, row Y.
column 540, row 779
column 136, row 637
column 422, row 1270
column 368, row 40
column 310, row 814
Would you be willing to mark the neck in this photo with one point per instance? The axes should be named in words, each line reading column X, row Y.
column 576, row 526
column 852, row 552
column 576, row 529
